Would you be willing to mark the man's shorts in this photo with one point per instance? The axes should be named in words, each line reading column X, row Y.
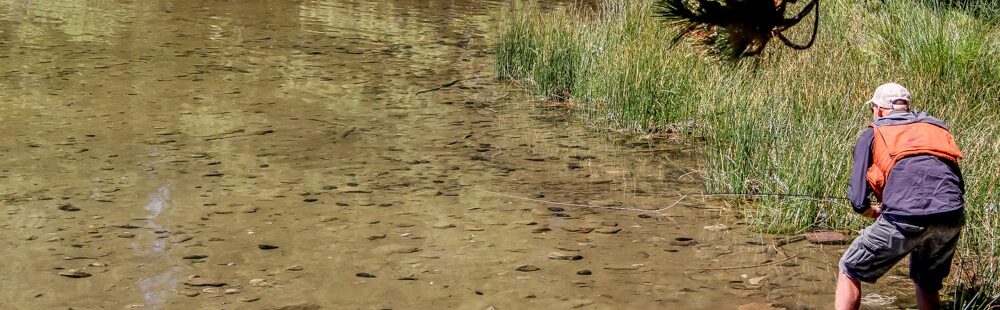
column 881, row 245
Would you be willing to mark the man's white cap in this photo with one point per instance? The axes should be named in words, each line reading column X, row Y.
column 888, row 93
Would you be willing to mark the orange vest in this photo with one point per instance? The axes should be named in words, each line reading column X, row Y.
column 895, row 142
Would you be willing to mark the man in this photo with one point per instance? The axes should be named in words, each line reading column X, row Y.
column 909, row 161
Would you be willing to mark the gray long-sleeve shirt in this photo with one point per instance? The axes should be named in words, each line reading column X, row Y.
column 917, row 186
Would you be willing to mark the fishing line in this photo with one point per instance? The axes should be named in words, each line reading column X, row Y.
column 583, row 205
column 800, row 196
column 682, row 197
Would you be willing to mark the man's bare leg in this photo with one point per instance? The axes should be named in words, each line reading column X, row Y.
column 848, row 293
column 927, row 300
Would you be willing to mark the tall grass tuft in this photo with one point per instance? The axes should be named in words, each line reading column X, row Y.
column 785, row 122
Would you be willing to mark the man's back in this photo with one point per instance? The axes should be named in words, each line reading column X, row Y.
column 917, row 185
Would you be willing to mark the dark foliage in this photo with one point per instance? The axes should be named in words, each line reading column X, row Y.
column 737, row 28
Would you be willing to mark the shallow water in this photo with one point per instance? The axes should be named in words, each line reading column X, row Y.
column 194, row 137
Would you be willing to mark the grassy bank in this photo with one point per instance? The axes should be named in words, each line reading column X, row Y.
column 784, row 122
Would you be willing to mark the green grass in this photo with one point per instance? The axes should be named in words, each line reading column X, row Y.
column 784, row 122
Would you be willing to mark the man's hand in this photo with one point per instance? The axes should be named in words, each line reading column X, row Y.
column 874, row 212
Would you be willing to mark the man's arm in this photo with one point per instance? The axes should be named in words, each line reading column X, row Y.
column 858, row 189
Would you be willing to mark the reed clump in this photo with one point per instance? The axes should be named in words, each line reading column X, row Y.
column 785, row 121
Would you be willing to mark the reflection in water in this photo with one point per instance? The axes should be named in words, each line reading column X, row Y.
column 78, row 20
column 156, row 287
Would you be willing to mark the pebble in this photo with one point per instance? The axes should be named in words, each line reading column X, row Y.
column 584, row 272
column 527, row 268
column 250, row 299
column 376, row 237
column 195, row 256
column 364, row 275
column 265, row 246
column 190, row 293
column 231, row 291
column 294, row 268
column 73, row 273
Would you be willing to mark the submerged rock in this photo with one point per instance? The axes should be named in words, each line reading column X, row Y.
column 68, row 207
column 204, row 282
column 683, row 241
column 73, row 273
column 527, row 268
column 564, row 256
column 608, row 230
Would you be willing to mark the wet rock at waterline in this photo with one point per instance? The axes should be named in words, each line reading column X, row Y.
column 717, row 228
column 827, row 237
